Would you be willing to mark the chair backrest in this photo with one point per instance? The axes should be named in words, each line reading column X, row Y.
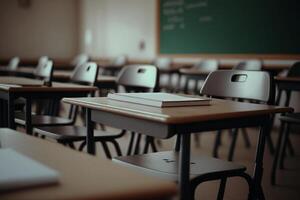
column 13, row 63
column 250, row 65
column 120, row 61
column 163, row 62
column 294, row 71
column 251, row 85
column 44, row 71
column 139, row 77
column 80, row 59
column 207, row 65
column 85, row 73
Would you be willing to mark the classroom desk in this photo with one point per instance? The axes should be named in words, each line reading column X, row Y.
column 166, row 122
column 12, row 88
column 81, row 176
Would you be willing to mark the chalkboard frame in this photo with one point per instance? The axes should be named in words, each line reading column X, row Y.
column 217, row 56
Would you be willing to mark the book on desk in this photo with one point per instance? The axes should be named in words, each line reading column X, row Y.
column 160, row 99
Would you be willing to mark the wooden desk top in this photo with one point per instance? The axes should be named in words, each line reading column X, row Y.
column 11, row 80
column 19, row 84
column 81, row 176
column 287, row 79
column 63, row 74
column 219, row 109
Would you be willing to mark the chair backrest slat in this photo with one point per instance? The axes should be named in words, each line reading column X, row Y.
column 252, row 85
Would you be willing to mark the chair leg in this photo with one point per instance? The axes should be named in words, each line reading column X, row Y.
column 217, row 144
column 197, row 140
column 130, row 145
column 222, row 189
column 233, row 144
column 284, row 144
column 106, row 150
column 246, row 138
column 277, row 152
column 71, row 144
column 137, row 144
column 290, row 147
column 82, row 145
column 152, row 144
column 117, row 147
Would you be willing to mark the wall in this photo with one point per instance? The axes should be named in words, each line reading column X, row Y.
column 47, row 27
column 114, row 27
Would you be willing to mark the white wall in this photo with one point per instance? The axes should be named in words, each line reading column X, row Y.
column 47, row 27
column 114, row 27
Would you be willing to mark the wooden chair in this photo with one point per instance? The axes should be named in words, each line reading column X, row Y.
column 231, row 84
column 288, row 120
column 84, row 74
column 139, row 78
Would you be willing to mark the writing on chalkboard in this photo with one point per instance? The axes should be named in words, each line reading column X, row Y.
column 229, row 27
column 174, row 12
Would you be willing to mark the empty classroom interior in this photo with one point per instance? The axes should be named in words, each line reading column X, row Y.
column 60, row 60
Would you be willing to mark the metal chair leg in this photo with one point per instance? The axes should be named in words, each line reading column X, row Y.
column 106, row 150
column 152, row 144
column 290, row 147
column 233, row 144
column 222, row 189
column 284, row 144
column 246, row 138
column 130, row 145
column 217, row 144
column 82, row 145
column 197, row 140
column 277, row 152
column 117, row 147
column 137, row 144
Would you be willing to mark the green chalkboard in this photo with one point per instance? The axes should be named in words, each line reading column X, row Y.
column 229, row 27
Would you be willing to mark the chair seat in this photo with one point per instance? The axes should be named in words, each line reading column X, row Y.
column 42, row 120
column 72, row 133
column 291, row 118
column 165, row 164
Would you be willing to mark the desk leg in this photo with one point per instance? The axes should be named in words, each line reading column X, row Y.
column 258, row 169
column 28, row 121
column 11, row 112
column 184, row 166
column 90, row 133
